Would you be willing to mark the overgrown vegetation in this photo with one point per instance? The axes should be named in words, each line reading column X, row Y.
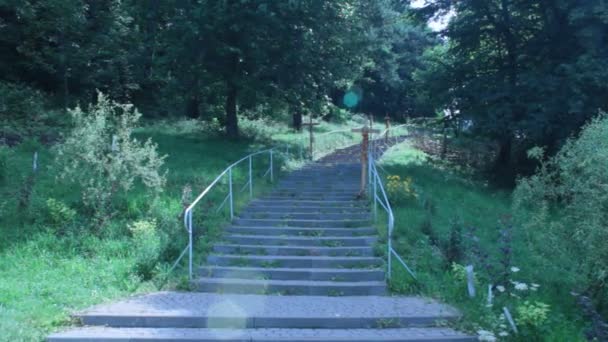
column 508, row 84
column 563, row 211
column 445, row 221
column 55, row 227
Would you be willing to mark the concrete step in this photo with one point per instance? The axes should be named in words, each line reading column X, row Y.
column 99, row 334
column 277, row 208
column 324, row 274
column 310, row 215
column 328, row 177
column 314, row 188
column 310, row 203
column 300, row 223
column 300, row 231
column 325, row 241
column 303, row 197
column 209, row 310
column 311, row 189
column 291, row 250
column 275, row 261
column 290, row 287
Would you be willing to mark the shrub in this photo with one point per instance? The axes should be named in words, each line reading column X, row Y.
column 146, row 247
column 59, row 214
column 19, row 102
column 400, row 190
column 563, row 209
column 101, row 155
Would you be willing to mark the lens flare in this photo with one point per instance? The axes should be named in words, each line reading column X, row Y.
column 351, row 99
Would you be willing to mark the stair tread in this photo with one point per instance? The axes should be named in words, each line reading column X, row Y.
column 330, row 335
column 293, row 269
column 310, row 283
column 322, row 248
column 295, row 257
column 179, row 304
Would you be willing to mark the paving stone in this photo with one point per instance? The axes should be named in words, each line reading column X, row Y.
column 258, row 335
column 203, row 310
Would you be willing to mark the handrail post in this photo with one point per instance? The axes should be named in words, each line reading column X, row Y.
column 231, row 193
column 374, row 195
column 390, row 246
column 369, row 169
column 190, row 244
column 250, row 177
column 271, row 168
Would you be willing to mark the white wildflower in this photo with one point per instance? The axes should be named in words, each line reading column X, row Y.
column 514, row 269
column 503, row 334
column 486, row 336
column 521, row 286
column 500, row 288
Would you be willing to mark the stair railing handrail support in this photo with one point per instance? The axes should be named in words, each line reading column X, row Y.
column 188, row 213
column 385, row 203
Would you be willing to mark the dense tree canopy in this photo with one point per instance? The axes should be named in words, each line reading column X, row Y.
column 524, row 73
column 527, row 72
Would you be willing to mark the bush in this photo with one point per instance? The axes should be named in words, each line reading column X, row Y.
column 19, row 102
column 101, row 155
column 59, row 214
column 563, row 209
column 146, row 247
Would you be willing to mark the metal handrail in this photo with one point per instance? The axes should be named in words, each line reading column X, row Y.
column 188, row 213
column 377, row 189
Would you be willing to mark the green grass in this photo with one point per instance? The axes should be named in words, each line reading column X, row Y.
column 447, row 197
column 48, row 271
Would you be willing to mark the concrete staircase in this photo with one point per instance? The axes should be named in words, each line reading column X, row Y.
column 296, row 265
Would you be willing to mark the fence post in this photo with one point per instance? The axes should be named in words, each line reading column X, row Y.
column 271, row 168
column 190, row 244
column 374, row 195
column 250, row 177
column 231, row 194
column 390, row 255
column 369, row 168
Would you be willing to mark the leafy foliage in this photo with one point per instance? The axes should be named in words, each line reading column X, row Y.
column 525, row 72
column 146, row 247
column 567, row 201
column 102, row 156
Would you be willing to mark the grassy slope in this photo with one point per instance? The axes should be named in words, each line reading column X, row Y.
column 445, row 196
column 44, row 277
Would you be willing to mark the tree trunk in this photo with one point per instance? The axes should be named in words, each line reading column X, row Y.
column 193, row 106
column 444, row 143
column 297, row 119
column 232, row 123
column 503, row 159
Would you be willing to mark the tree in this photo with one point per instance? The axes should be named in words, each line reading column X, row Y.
column 524, row 70
column 395, row 48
